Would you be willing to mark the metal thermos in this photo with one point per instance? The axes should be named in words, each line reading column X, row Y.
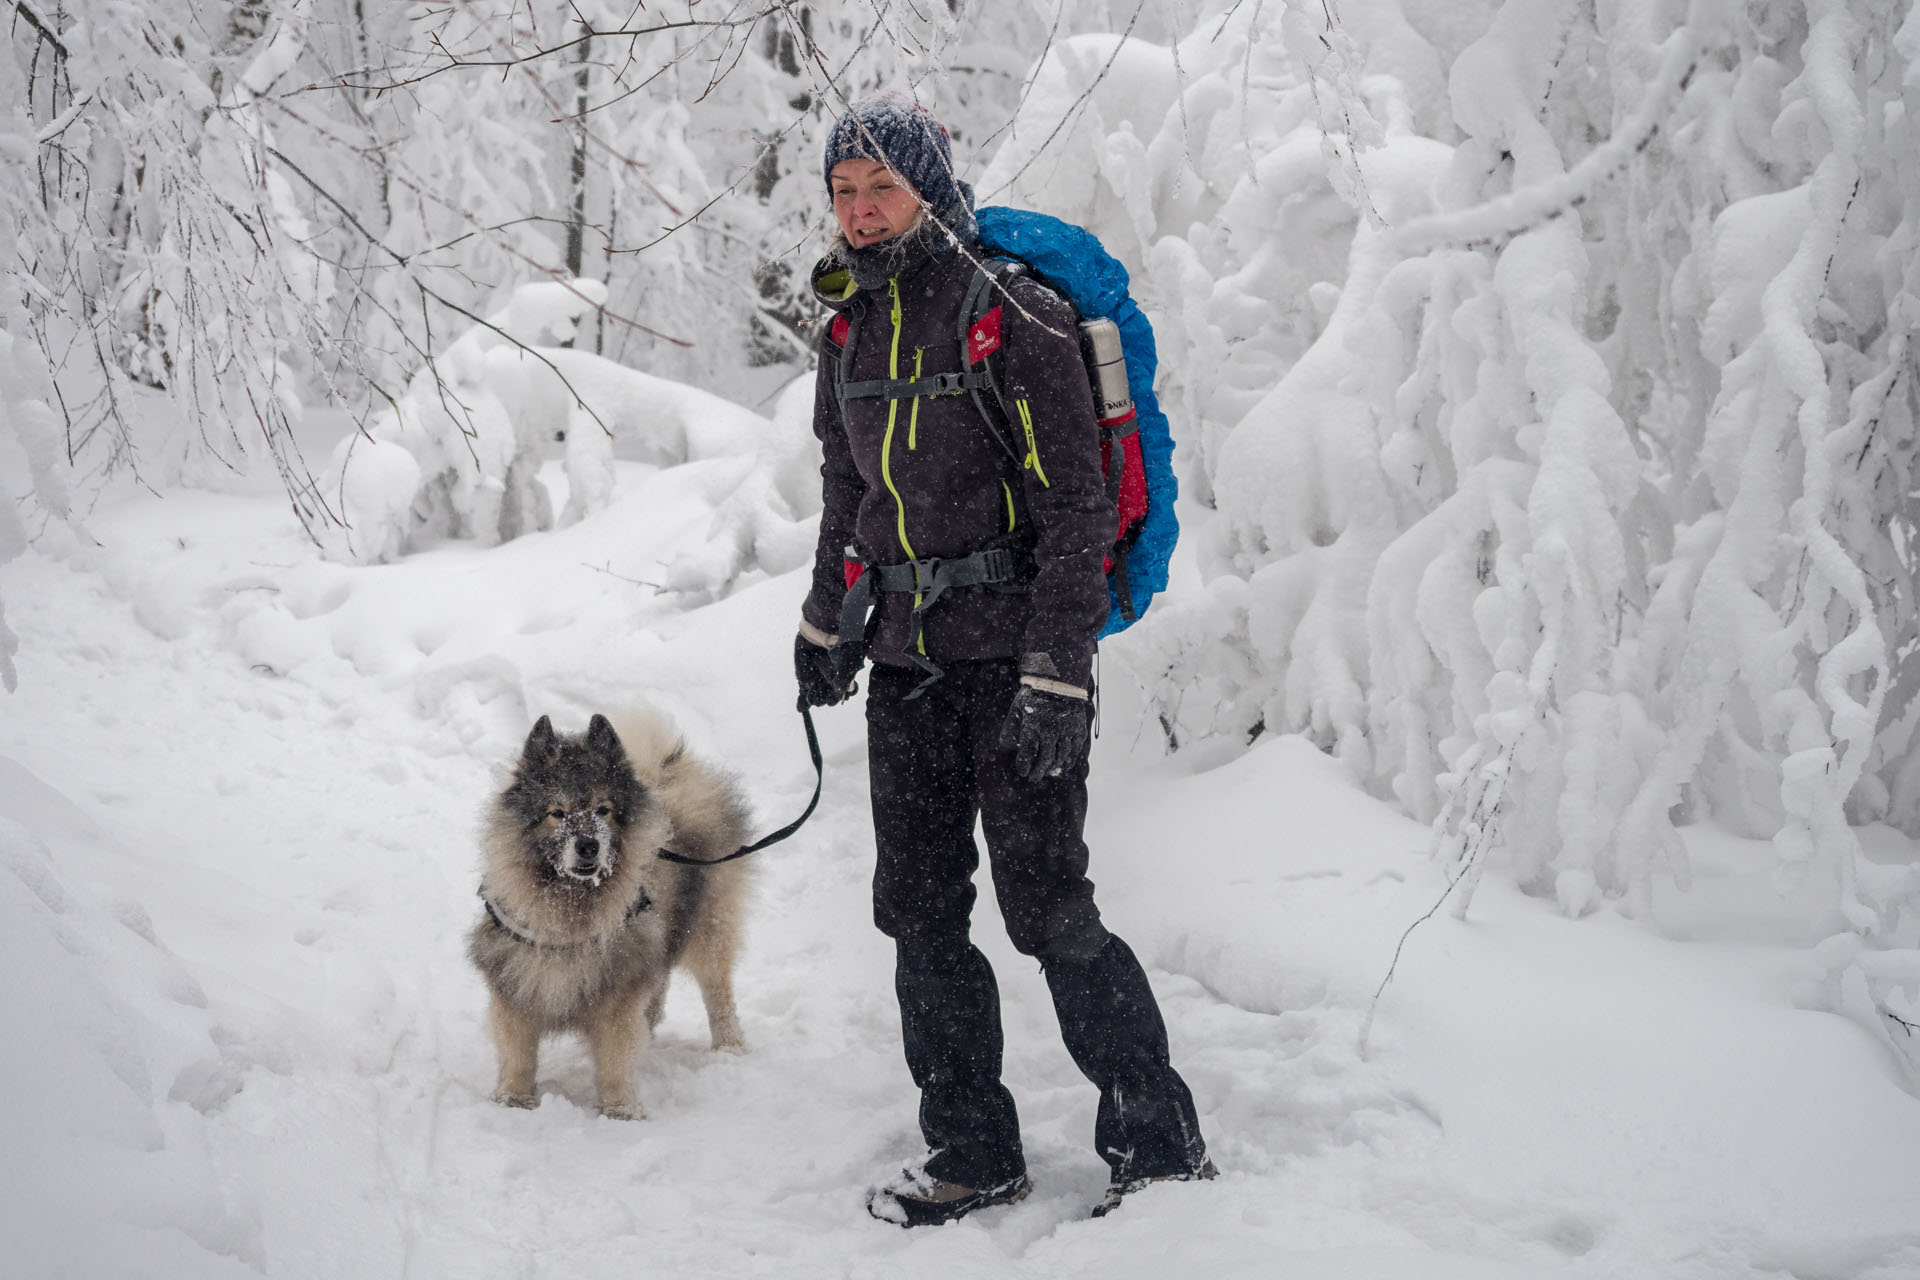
column 1107, row 368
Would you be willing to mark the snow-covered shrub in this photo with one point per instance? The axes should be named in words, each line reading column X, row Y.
column 459, row 455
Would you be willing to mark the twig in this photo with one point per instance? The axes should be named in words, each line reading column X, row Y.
column 468, row 432
column 745, row 172
column 1046, row 51
column 1483, row 821
column 1373, row 1006
column 65, row 120
column 422, row 192
column 638, row 582
column 330, row 198
column 456, row 62
column 524, row 350
column 1078, row 106
column 1352, row 156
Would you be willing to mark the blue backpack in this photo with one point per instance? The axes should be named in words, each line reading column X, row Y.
column 1136, row 443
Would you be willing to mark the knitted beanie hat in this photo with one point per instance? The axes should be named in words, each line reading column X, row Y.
column 904, row 136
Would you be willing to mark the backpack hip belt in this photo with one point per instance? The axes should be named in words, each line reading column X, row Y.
column 927, row 580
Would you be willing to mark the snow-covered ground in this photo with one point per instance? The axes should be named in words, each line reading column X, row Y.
column 238, row 1036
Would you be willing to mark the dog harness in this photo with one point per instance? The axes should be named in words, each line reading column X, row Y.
column 520, row 933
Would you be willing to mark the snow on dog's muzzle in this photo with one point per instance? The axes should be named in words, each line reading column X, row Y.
column 582, row 860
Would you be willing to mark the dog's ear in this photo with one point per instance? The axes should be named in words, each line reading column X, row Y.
column 602, row 741
column 541, row 743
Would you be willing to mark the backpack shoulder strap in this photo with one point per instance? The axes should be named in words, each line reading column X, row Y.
column 843, row 362
column 994, row 274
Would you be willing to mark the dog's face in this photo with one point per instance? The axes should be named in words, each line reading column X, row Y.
column 575, row 798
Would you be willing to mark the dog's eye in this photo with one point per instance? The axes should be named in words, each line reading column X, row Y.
column 604, row 810
column 556, row 814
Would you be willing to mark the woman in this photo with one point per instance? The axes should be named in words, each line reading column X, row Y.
column 979, row 544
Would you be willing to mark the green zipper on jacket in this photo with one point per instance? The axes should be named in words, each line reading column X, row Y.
column 893, row 414
column 913, row 414
column 1033, row 450
column 886, row 442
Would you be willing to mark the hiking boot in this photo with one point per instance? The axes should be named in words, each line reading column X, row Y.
column 1118, row 1191
column 917, row 1200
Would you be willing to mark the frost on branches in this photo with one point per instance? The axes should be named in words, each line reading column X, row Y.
column 157, row 255
column 1549, row 366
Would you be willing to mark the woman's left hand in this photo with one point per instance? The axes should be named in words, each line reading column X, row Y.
column 1047, row 732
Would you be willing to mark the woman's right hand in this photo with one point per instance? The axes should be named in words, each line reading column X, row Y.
column 825, row 676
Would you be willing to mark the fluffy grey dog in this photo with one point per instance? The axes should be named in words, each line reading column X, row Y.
column 583, row 923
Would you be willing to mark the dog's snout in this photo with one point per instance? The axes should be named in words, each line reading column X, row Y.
column 586, row 848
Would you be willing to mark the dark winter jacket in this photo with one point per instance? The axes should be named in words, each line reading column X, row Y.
column 924, row 477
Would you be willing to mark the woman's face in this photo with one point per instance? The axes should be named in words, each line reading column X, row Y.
column 871, row 202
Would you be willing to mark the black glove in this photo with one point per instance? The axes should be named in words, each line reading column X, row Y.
column 825, row 675
column 1047, row 732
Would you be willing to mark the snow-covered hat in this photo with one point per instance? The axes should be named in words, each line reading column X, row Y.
column 902, row 135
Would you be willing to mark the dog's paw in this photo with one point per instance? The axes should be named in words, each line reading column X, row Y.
column 623, row 1111
column 727, row 1037
column 525, row 1101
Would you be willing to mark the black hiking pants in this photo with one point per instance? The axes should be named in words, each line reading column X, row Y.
column 936, row 763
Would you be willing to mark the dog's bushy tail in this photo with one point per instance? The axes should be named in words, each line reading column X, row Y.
column 703, row 802
column 652, row 740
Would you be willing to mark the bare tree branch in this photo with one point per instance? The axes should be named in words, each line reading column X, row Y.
column 422, row 191
column 458, row 62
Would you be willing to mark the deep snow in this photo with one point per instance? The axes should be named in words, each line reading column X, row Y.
column 238, row 798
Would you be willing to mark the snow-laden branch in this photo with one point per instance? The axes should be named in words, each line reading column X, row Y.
column 1496, row 221
column 41, row 25
column 64, row 120
column 280, row 53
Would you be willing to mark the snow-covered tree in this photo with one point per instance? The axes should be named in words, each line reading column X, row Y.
column 1550, row 371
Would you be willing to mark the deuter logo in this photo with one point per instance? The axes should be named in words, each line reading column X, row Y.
column 983, row 339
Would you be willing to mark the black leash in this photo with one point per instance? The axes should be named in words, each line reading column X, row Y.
column 819, row 778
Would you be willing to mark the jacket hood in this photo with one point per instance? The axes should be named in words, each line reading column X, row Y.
column 832, row 284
